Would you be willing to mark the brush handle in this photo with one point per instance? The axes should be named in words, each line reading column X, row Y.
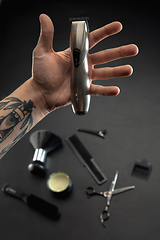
column 43, row 142
column 40, row 155
column 37, row 166
column 14, row 192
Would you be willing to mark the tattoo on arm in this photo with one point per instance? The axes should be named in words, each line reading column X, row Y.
column 21, row 113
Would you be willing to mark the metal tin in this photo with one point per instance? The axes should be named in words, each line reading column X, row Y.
column 60, row 184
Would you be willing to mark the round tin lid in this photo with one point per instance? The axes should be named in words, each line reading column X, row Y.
column 59, row 182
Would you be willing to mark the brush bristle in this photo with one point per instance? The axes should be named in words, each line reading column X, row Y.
column 43, row 207
column 45, row 139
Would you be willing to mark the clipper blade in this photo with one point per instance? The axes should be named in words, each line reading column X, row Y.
column 142, row 169
column 86, row 19
column 79, row 19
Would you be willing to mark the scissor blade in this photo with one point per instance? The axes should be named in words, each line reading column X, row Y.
column 112, row 186
column 111, row 189
column 121, row 190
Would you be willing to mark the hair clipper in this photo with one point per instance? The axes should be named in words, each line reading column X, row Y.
column 80, row 82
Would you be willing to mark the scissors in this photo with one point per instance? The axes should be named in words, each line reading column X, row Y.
column 108, row 194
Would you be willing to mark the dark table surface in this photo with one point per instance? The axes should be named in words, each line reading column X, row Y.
column 132, row 120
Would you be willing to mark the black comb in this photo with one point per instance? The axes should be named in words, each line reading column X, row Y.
column 142, row 169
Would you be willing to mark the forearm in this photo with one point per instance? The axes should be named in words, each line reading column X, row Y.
column 19, row 112
column 49, row 88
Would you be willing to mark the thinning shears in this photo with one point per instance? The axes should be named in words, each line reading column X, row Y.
column 108, row 194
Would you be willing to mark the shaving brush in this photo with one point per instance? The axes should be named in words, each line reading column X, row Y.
column 43, row 142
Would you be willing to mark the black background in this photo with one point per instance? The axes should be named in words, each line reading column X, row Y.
column 132, row 121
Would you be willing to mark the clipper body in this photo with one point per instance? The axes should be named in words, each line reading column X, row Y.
column 80, row 82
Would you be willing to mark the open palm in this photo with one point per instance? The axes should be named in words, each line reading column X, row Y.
column 52, row 70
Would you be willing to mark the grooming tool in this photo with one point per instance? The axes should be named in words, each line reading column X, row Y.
column 34, row 202
column 80, row 81
column 100, row 133
column 142, row 169
column 86, row 159
column 60, row 184
column 105, row 214
column 43, row 142
column 108, row 194
column 91, row 192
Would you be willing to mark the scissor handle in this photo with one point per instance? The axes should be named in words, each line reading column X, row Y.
column 104, row 216
column 90, row 192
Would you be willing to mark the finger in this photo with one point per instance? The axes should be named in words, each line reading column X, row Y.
column 106, row 73
column 47, row 32
column 113, row 54
column 98, row 90
column 101, row 33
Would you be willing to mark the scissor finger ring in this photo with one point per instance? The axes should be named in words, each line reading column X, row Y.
column 104, row 216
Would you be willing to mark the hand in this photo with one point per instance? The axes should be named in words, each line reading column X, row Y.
column 52, row 70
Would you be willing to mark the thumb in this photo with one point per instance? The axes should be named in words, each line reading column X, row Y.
column 47, row 32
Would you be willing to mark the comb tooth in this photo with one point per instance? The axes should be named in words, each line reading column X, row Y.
column 149, row 171
column 142, row 172
column 133, row 171
column 146, row 172
column 138, row 171
column 147, row 175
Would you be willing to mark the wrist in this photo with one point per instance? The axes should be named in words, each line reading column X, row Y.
column 43, row 96
column 29, row 92
column 37, row 95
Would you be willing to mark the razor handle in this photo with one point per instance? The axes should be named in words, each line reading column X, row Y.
column 80, row 81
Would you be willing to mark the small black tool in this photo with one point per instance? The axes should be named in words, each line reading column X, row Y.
column 34, row 202
column 100, row 133
column 142, row 169
column 43, row 142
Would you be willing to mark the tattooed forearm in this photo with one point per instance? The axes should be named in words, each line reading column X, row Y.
column 21, row 113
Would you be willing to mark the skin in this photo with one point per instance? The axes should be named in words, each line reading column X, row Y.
column 49, row 86
column 52, row 70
